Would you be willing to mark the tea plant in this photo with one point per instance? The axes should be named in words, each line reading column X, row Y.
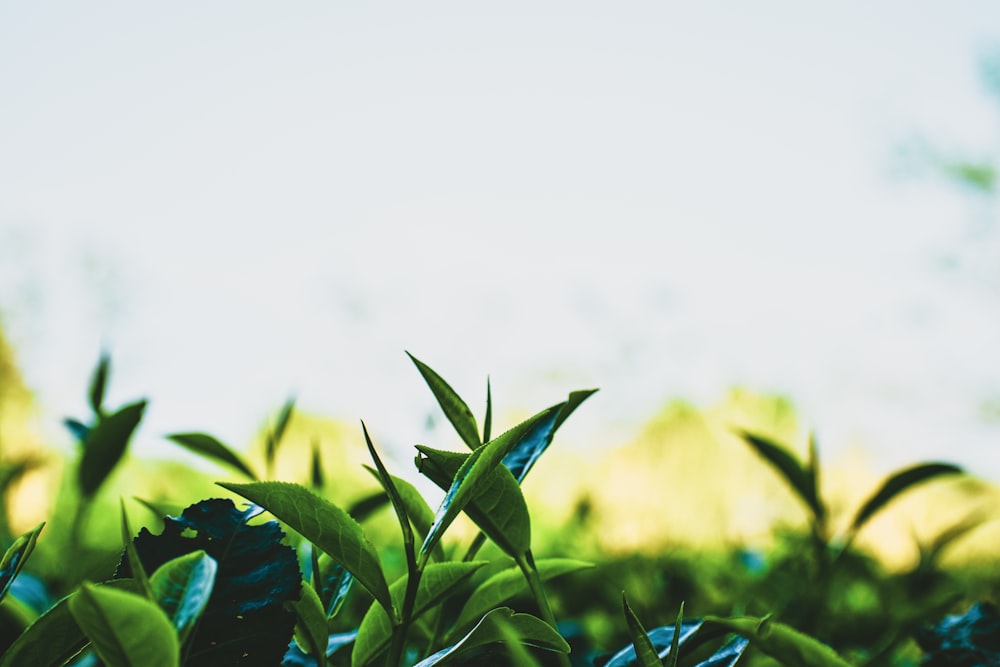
column 219, row 586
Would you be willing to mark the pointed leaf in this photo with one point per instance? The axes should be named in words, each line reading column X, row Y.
column 326, row 526
column 488, row 419
column 126, row 630
column 183, row 587
column 274, row 437
column 98, row 383
column 794, row 473
column 209, row 447
column 138, row 571
column 310, row 625
column 520, row 459
column 728, row 655
column 662, row 639
column 438, row 581
column 674, row 654
column 493, row 628
column 398, row 506
column 475, row 476
column 54, row 638
column 454, row 408
column 77, row 429
column 316, row 467
column 105, row 445
column 787, row 645
column 498, row 508
column 420, row 513
column 896, row 484
column 508, row 583
column 15, row 557
column 645, row 653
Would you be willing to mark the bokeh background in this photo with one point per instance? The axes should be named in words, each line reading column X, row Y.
column 243, row 202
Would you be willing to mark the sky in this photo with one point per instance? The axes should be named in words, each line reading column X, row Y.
column 242, row 202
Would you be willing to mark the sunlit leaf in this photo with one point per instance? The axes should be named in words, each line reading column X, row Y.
column 454, row 408
column 310, row 624
column 802, row 481
column 15, row 557
column 326, row 526
column 507, row 584
column 498, row 507
column 183, row 587
column 644, row 651
column 496, row 627
column 520, row 459
column 896, row 484
column 126, row 630
column 54, row 638
column 209, row 447
column 135, row 564
column 782, row 642
column 438, row 581
column 105, row 445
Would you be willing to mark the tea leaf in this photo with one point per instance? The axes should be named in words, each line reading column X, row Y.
column 495, row 627
column 488, row 419
column 498, row 508
column 98, row 383
column 105, row 444
column 138, row 571
column 274, row 437
column 398, row 506
column 325, row 525
column 125, row 629
column 183, row 586
column 420, row 513
column 520, row 459
column 336, row 586
column 508, row 583
column 316, row 467
column 54, row 638
column 207, row 446
column 467, row 483
column 787, row 645
column 675, row 641
column 662, row 639
column 15, row 557
column 310, row 626
column 802, row 481
column 645, row 653
column 728, row 655
column 897, row 483
column 438, row 581
column 77, row 429
column 454, row 408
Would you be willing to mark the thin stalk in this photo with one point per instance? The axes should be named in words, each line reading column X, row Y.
column 416, row 570
column 527, row 564
column 474, row 548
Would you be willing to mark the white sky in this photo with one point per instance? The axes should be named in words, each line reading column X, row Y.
column 662, row 199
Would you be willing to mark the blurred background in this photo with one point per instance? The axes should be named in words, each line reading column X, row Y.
column 690, row 206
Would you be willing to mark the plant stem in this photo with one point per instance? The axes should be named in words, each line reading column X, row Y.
column 527, row 564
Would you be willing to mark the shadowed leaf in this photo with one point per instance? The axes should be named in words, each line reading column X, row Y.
column 802, row 480
column 454, row 408
column 105, row 445
column 209, row 447
column 310, row 624
column 135, row 564
column 98, row 383
column 896, row 484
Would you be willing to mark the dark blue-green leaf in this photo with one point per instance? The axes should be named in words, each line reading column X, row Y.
column 520, row 459
column 105, row 445
column 661, row 638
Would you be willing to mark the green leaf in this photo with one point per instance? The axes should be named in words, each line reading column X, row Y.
column 645, row 653
column 475, row 477
column 785, row 644
column 316, row 467
column 521, row 459
column 496, row 627
column 125, row 629
column 508, row 583
column 674, row 653
column 326, row 526
column 16, row 556
column 274, row 437
column 98, row 383
column 455, row 409
column 310, row 625
column 398, row 506
column 105, row 445
column 896, row 484
column 183, row 586
column 420, row 513
column 438, row 581
column 802, row 481
column 54, row 638
column 488, row 419
column 498, row 507
column 209, row 447
column 138, row 571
